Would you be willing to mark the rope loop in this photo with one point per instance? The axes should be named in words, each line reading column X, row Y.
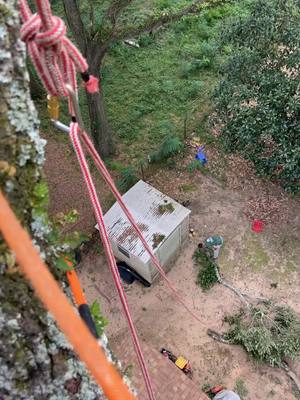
column 52, row 36
column 55, row 58
column 30, row 28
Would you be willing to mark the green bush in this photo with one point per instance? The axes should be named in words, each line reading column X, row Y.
column 195, row 165
column 257, row 99
column 147, row 40
column 193, row 89
column 207, row 276
column 268, row 332
column 169, row 147
column 186, row 69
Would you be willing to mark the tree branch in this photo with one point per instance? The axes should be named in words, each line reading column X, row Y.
column 164, row 19
column 76, row 24
column 115, row 8
column 91, row 17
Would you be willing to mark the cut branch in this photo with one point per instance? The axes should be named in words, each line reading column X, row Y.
column 220, row 338
column 217, row 336
column 229, row 286
column 292, row 375
column 242, row 296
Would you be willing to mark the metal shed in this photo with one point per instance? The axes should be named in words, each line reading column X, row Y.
column 163, row 221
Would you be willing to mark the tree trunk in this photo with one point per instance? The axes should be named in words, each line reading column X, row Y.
column 36, row 361
column 94, row 53
column 99, row 126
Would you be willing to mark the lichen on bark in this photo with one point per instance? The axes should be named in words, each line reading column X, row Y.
column 36, row 361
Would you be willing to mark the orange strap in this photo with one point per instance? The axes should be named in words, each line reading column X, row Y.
column 57, row 303
column 76, row 287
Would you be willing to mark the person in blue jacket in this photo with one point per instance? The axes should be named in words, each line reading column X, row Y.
column 212, row 246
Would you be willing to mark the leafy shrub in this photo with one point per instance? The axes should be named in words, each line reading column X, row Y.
column 186, row 69
column 146, row 40
column 193, row 89
column 114, row 165
column 203, row 30
column 212, row 15
column 257, row 99
column 169, row 147
column 268, row 332
column 128, row 178
column 207, row 276
column 195, row 165
column 167, row 86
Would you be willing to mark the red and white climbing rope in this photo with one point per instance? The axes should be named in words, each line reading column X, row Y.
column 56, row 61
column 74, row 134
column 53, row 55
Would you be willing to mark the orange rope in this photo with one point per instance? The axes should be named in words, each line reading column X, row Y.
column 58, row 305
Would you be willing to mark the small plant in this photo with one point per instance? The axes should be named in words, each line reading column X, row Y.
column 115, row 165
column 66, row 218
column 206, row 389
column 157, row 239
column 166, row 208
column 194, row 89
column 143, row 164
column 188, row 187
column 207, row 276
column 241, row 389
column 195, row 166
column 169, row 147
column 99, row 319
column 128, row 178
column 128, row 371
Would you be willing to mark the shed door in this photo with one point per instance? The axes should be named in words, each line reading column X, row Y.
column 169, row 247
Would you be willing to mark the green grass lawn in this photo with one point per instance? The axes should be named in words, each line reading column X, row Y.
column 150, row 91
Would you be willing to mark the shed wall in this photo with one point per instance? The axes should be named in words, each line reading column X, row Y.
column 132, row 261
column 170, row 249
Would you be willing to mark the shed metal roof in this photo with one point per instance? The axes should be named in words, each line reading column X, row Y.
column 156, row 214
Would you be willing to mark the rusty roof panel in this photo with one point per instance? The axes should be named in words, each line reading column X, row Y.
column 156, row 214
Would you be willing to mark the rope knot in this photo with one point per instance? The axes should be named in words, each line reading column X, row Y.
column 30, row 28
column 54, row 56
column 52, row 36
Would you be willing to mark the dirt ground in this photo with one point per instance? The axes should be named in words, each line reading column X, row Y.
column 222, row 202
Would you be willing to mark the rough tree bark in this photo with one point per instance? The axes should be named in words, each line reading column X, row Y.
column 99, row 126
column 36, row 361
